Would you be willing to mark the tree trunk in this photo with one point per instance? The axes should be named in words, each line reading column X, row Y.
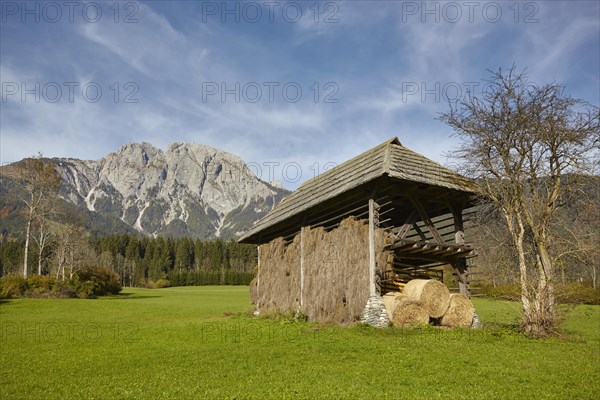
column 41, row 246
column 546, row 317
column 28, row 233
column 63, row 270
column 40, row 251
column 42, row 241
column 517, row 234
column 71, row 264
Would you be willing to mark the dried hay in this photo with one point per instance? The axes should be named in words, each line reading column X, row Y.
column 433, row 295
column 279, row 275
column 336, row 272
column 460, row 312
column 389, row 301
column 408, row 312
column 253, row 294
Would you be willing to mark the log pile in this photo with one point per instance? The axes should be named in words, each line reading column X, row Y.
column 427, row 301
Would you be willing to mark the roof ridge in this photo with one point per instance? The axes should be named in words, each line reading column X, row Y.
column 324, row 174
column 385, row 168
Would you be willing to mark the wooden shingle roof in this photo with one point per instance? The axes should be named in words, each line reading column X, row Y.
column 390, row 158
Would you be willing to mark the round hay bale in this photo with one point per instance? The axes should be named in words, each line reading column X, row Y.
column 460, row 312
column 408, row 312
column 389, row 301
column 433, row 295
column 253, row 290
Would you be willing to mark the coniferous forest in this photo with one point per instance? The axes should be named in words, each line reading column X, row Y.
column 141, row 262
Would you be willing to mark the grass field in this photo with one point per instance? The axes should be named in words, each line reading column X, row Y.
column 197, row 343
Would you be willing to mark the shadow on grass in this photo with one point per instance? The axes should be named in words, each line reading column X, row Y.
column 502, row 329
column 129, row 296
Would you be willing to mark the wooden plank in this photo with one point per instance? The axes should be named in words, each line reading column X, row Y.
column 444, row 231
column 339, row 215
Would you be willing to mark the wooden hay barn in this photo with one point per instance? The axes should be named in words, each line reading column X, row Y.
column 343, row 239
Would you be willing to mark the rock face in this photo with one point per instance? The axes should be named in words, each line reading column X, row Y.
column 187, row 190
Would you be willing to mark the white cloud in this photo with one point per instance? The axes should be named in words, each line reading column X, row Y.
column 151, row 46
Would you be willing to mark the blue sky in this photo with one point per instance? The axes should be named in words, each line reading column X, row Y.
column 191, row 71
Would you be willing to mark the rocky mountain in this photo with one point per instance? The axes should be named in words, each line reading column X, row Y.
column 187, row 190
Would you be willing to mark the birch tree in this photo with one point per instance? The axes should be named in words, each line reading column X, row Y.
column 40, row 181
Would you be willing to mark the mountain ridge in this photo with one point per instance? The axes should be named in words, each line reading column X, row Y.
column 189, row 189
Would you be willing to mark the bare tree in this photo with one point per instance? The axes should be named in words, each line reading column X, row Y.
column 495, row 261
column 577, row 242
column 40, row 181
column 72, row 251
column 527, row 144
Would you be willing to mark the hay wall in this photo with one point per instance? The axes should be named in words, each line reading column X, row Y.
column 253, row 290
column 279, row 276
column 336, row 272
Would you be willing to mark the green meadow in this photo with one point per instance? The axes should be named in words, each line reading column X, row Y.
column 203, row 343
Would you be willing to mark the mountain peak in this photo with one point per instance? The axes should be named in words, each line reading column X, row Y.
column 188, row 190
column 133, row 146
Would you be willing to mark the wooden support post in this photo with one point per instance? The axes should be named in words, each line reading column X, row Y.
column 460, row 265
column 302, row 266
column 257, row 277
column 372, row 222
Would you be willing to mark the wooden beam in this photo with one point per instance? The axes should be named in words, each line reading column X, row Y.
column 432, row 250
column 418, row 248
column 405, row 244
column 425, row 218
column 410, row 220
column 419, row 232
column 337, row 218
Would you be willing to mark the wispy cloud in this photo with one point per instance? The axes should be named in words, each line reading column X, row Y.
column 370, row 53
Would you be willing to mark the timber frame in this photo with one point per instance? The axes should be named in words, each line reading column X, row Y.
column 421, row 205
